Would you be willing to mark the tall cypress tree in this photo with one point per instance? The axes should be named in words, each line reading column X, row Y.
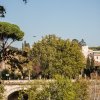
column 88, row 64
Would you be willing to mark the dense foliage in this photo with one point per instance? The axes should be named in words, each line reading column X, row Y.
column 60, row 89
column 9, row 33
column 17, row 65
column 57, row 56
column 48, row 57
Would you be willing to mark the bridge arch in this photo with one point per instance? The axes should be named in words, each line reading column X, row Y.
column 15, row 95
column 15, row 88
column 12, row 86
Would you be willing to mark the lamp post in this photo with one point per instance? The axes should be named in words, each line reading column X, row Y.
column 29, row 75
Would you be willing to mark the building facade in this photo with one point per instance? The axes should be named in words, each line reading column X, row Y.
column 91, row 54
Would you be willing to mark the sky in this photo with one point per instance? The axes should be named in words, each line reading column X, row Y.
column 68, row 19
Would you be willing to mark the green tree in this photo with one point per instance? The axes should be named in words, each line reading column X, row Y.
column 81, row 90
column 92, row 62
column 82, row 43
column 31, row 93
column 58, row 56
column 18, row 65
column 88, row 63
column 75, row 40
column 9, row 33
column 64, row 89
column 60, row 89
column 3, row 10
column 89, row 66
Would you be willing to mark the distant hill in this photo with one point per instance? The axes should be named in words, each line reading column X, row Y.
column 95, row 48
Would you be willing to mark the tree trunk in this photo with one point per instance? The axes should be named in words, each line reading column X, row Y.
column 2, row 65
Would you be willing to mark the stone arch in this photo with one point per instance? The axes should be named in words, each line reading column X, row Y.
column 14, row 89
column 15, row 95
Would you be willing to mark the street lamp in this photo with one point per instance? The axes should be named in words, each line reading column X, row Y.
column 7, row 75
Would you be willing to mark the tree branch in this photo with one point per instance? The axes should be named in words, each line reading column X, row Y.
column 5, row 41
column 10, row 44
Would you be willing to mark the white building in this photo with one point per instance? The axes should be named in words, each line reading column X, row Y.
column 85, row 51
column 95, row 54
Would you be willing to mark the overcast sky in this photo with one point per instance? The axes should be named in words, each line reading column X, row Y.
column 73, row 19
